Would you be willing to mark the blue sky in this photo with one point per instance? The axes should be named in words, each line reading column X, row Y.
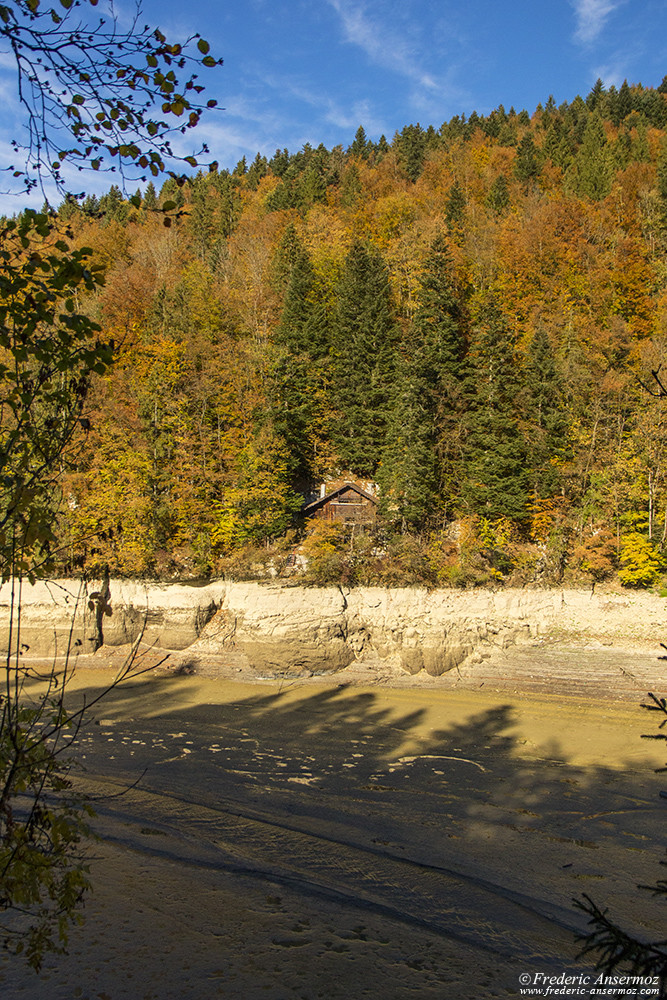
column 313, row 70
column 298, row 71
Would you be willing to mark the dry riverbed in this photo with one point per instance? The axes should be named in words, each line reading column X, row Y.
column 325, row 839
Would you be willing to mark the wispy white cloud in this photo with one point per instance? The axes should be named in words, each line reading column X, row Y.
column 383, row 46
column 591, row 17
column 329, row 110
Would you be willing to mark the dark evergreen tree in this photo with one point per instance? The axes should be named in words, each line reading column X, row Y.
column 558, row 144
column 279, row 162
column 288, row 253
column 90, row 205
column 411, row 146
column 112, row 205
column 228, row 211
column 408, row 475
column 420, row 468
column 360, row 145
column 547, row 421
column 596, row 98
column 300, row 328
column 301, row 373
column 258, row 168
column 350, row 188
column 498, row 198
column 496, row 483
column 313, row 187
column 455, row 207
column 592, row 170
column 382, row 147
column 200, row 221
column 526, row 165
column 661, row 183
column 625, row 102
column 150, row 197
column 171, row 192
column 364, row 339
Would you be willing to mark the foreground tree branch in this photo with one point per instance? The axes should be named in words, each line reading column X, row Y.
column 102, row 98
column 98, row 96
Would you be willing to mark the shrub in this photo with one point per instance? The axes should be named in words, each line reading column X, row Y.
column 640, row 562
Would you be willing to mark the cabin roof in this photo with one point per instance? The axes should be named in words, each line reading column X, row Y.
column 343, row 488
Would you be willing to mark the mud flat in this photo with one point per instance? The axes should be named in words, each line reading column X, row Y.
column 293, row 839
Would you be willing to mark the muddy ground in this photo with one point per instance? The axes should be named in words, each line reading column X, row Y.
column 333, row 838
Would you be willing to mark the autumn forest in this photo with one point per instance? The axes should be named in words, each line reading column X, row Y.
column 472, row 316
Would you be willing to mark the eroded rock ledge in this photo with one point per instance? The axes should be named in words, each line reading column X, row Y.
column 278, row 630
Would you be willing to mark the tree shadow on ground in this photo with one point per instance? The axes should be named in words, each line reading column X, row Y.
column 437, row 836
column 353, row 765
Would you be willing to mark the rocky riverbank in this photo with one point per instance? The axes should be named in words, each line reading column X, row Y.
column 269, row 630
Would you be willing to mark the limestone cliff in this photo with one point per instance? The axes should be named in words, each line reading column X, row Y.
column 274, row 629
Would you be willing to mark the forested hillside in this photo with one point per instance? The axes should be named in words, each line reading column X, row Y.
column 464, row 314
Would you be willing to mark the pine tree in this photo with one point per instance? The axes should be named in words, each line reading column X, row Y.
column 360, row 145
column 408, row 475
column 364, row 336
column 420, row 460
column 496, row 483
column 455, row 207
column 411, row 145
column 498, row 198
column 200, row 222
column 546, row 415
column 350, row 188
column 526, row 165
column 592, row 171
column 172, row 192
column 301, row 374
column 150, row 196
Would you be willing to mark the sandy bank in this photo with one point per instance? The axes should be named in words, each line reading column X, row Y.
column 534, row 639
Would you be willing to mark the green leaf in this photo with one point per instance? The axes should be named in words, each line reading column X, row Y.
column 203, row 46
column 209, row 61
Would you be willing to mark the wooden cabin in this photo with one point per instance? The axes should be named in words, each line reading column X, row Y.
column 346, row 501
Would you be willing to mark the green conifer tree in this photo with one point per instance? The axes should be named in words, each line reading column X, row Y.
column 498, row 198
column 364, row 337
column 592, row 171
column 150, row 197
column 301, row 373
column 360, row 145
column 546, row 415
column 421, row 460
column 455, row 207
column 411, row 145
column 497, row 483
column 526, row 165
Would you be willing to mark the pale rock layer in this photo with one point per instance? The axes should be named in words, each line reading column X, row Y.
column 274, row 629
